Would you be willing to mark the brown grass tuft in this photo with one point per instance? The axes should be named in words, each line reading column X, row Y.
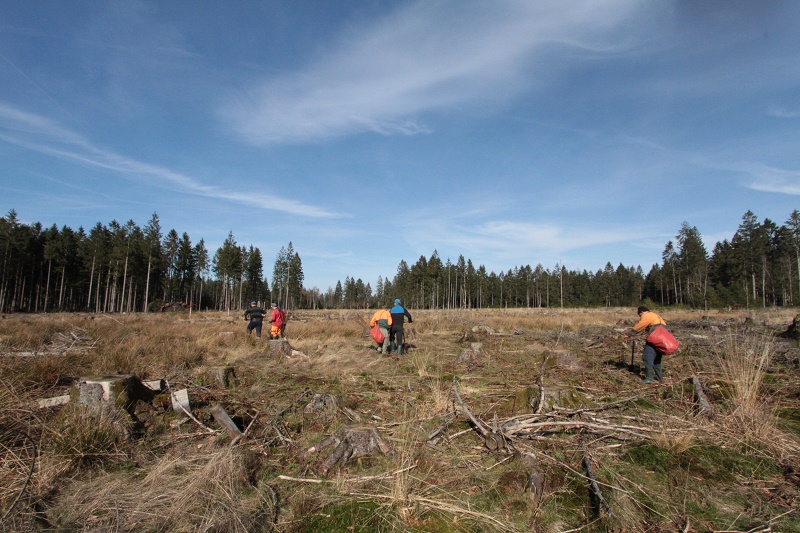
column 199, row 492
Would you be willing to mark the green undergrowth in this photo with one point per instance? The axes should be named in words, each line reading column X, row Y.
column 720, row 487
column 789, row 419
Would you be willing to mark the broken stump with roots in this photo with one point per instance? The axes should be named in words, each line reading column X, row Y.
column 223, row 376
column 351, row 442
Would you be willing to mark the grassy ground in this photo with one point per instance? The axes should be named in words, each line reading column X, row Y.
column 553, row 392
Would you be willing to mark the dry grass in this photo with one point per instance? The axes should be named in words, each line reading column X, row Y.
column 207, row 491
column 164, row 475
column 743, row 362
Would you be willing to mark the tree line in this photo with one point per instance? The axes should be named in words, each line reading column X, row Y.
column 125, row 268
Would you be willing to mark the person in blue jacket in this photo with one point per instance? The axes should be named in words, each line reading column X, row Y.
column 399, row 314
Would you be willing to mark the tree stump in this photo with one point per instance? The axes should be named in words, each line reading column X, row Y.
column 351, row 442
column 324, row 406
column 224, row 376
column 280, row 348
column 120, row 390
column 472, row 354
column 793, row 331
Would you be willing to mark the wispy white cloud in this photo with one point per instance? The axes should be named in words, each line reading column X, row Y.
column 423, row 57
column 772, row 179
column 504, row 239
column 45, row 136
column 784, row 112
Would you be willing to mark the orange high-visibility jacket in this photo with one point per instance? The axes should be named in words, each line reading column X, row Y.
column 383, row 314
column 647, row 321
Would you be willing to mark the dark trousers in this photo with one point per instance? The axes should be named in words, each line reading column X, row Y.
column 395, row 336
column 255, row 325
column 650, row 355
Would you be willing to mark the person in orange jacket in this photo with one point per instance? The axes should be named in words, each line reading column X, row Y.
column 650, row 355
column 383, row 318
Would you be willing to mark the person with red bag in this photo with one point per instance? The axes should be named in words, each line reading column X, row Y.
column 650, row 355
column 383, row 319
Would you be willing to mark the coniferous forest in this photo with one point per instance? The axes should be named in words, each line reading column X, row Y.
column 128, row 268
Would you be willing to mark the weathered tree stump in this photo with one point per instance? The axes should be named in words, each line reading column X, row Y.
column 472, row 354
column 224, row 376
column 793, row 331
column 351, row 442
column 120, row 390
column 323, row 406
column 280, row 348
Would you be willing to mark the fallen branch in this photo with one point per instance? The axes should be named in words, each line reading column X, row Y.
column 540, row 405
column 441, row 429
column 238, row 438
column 704, row 406
column 484, row 431
column 348, row 479
column 304, row 480
column 523, row 429
column 601, row 507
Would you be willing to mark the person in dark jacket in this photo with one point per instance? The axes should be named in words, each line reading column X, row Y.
column 256, row 316
column 399, row 314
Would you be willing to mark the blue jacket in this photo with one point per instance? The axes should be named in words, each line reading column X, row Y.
column 398, row 313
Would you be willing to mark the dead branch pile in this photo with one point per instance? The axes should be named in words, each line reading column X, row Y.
column 74, row 342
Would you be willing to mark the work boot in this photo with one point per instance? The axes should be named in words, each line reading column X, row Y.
column 659, row 372
column 649, row 377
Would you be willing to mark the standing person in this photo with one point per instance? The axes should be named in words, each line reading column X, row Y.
column 283, row 318
column 276, row 321
column 651, row 356
column 256, row 316
column 399, row 313
column 383, row 318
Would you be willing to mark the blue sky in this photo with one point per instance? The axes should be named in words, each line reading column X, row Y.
column 366, row 132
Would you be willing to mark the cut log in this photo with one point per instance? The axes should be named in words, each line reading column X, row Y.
column 225, row 421
column 54, row 402
column 224, row 376
column 155, row 385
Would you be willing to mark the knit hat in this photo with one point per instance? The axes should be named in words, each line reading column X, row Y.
column 642, row 309
column 273, row 305
column 397, row 301
column 253, row 303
